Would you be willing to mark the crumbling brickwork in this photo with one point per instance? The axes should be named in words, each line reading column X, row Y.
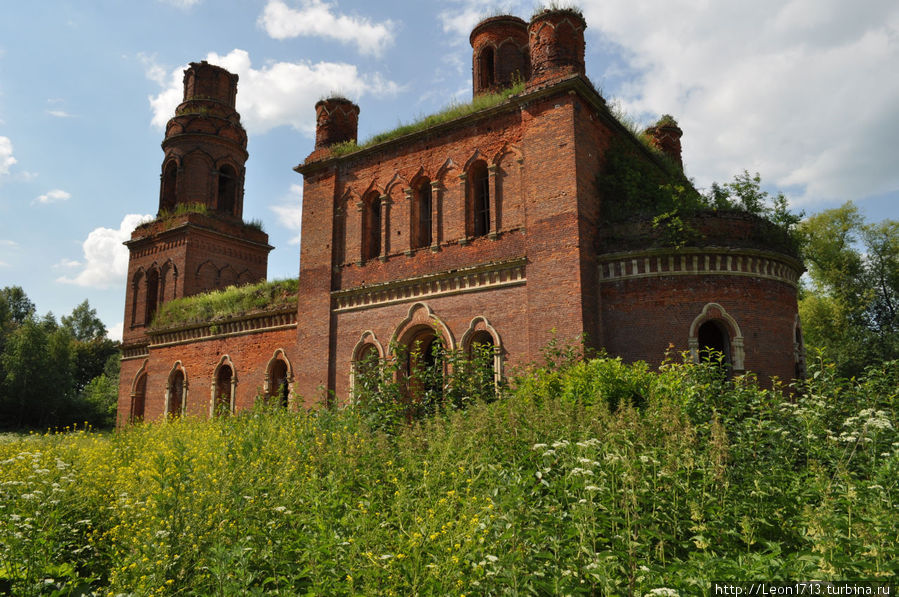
column 488, row 225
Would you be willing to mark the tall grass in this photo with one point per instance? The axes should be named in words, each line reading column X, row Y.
column 596, row 478
column 228, row 302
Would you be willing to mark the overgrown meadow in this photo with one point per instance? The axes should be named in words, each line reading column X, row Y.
column 586, row 478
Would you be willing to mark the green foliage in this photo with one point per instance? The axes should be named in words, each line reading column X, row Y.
column 229, row 302
column 548, row 491
column 451, row 112
column 46, row 368
column 851, row 310
column 393, row 391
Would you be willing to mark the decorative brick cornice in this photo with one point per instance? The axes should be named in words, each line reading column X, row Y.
column 472, row 279
column 698, row 262
column 236, row 326
column 135, row 351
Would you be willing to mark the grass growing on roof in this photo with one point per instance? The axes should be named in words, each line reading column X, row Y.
column 226, row 303
column 451, row 112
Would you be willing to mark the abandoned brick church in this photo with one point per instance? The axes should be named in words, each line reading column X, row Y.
column 486, row 227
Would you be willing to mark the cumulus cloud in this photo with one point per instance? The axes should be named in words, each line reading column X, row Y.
column 315, row 18
column 114, row 332
column 291, row 211
column 6, row 157
column 803, row 91
column 279, row 93
column 105, row 257
column 53, row 196
column 462, row 15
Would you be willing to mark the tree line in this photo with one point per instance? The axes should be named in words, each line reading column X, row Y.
column 55, row 373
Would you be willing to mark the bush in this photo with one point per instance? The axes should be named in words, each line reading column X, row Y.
column 545, row 491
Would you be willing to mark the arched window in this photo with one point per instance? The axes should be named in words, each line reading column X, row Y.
column 167, row 198
column 421, row 215
column 714, row 342
column 366, row 371
column 136, row 284
column 227, row 190
column 139, row 398
column 371, row 226
column 279, row 391
column 175, row 391
column 152, row 296
column 486, row 68
column 424, row 367
column 223, row 390
column 478, row 220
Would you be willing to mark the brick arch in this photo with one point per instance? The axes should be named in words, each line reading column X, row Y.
column 207, row 276
column 176, row 389
column 475, row 156
column 396, row 179
column 136, row 283
column 366, row 340
column 444, row 168
column 138, row 393
column 715, row 312
column 506, row 149
column 279, row 356
column 227, row 276
column 168, row 280
column 480, row 325
column 223, row 396
column 420, row 316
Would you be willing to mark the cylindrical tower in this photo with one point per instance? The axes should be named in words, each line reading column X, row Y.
column 665, row 136
column 205, row 145
column 556, row 43
column 336, row 121
column 499, row 53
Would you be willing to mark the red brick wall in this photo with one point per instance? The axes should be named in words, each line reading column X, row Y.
column 249, row 353
column 642, row 317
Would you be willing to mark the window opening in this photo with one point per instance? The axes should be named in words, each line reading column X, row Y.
column 372, row 228
column 480, row 185
column 176, row 394
column 169, row 180
column 152, row 301
column 486, row 67
column 227, row 190
column 279, row 388
column 424, row 204
column 222, row 403
column 139, row 400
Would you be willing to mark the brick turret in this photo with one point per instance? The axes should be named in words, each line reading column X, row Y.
column 336, row 121
column 665, row 136
column 205, row 145
column 499, row 53
column 556, row 45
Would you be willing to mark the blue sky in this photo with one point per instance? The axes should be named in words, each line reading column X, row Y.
column 806, row 92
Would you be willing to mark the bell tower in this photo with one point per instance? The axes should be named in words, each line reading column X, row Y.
column 198, row 241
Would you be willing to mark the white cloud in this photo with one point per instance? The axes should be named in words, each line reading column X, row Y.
column 8, row 243
column 6, row 157
column 803, row 91
column 53, row 196
column 66, row 264
column 465, row 14
column 115, row 332
column 291, row 211
column 105, row 257
column 315, row 18
column 59, row 113
column 279, row 93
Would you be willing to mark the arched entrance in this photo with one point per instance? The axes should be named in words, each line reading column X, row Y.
column 714, row 342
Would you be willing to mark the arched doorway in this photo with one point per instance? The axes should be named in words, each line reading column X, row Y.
column 424, row 369
column 714, row 342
